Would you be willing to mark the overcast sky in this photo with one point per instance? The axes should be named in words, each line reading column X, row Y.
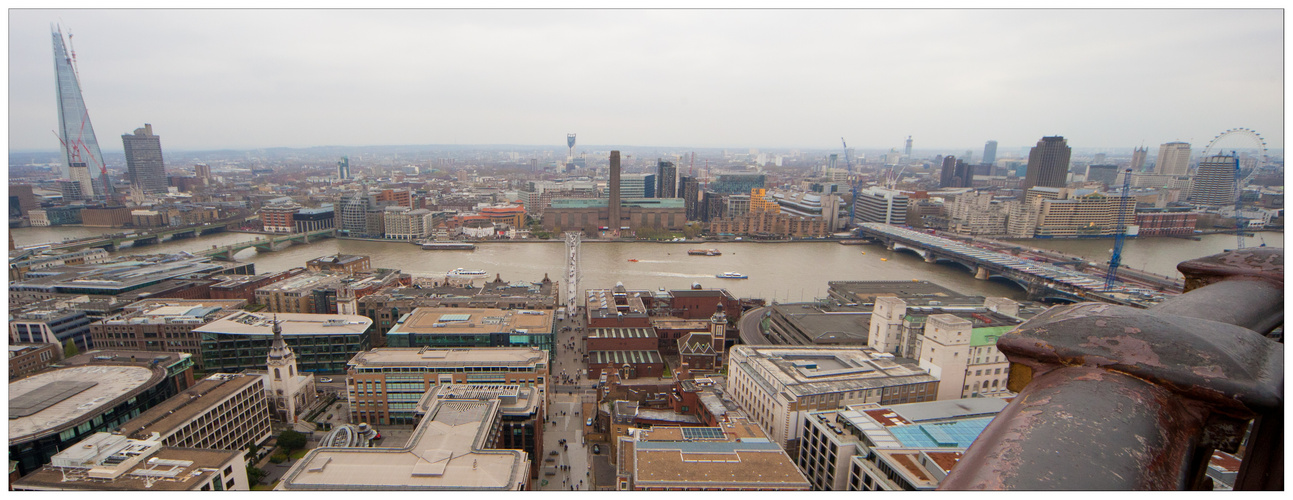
column 217, row 79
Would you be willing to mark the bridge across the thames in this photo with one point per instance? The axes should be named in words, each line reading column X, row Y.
column 271, row 244
column 1043, row 281
column 150, row 236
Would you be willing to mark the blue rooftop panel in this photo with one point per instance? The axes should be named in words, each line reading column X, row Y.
column 958, row 434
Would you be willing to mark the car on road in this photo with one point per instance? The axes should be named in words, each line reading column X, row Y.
column 597, row 449
column 325, row 379
column 589, row 422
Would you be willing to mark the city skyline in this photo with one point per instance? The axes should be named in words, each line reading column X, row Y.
column 720, row 79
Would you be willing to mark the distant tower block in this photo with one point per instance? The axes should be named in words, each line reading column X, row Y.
column 907, row 151
column 570, row 142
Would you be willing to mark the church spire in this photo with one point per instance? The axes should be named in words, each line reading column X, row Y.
column 278, row 349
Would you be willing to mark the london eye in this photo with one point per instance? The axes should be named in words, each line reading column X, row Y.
column 1243, row 140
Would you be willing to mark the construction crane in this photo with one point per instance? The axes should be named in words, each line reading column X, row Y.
column 1239, row 196
column 848, row 162
column 1119, row 235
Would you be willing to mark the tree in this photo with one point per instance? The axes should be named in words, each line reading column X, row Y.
column 69, row 349
column 291, row 440
column 254, row 475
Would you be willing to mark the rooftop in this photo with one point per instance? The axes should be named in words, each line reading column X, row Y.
column 414, row 356
column 867, row 291
column 194, row 401
column 621, row 333
column 113, row 277
column 303, row 283
column 112, row 462
column 736, row 454
column 805, row 370
column 480, row 321
column 53, row 399
column 446, row 452
column 249, row 323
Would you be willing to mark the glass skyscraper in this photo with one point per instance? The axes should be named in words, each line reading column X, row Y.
column 78, row 143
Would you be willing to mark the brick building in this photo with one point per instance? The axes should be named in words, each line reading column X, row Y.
column 29, row 358
column 106, row 217
column 244, row 286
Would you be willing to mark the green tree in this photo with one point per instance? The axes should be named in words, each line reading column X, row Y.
column 69, row 349
column 254, row 475
column 291, row 440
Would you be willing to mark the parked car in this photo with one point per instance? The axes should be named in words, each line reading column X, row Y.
column 589, row 422
column 597, row 449
column 325, row 379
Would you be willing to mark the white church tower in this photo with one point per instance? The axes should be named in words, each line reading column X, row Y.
column 287, row 389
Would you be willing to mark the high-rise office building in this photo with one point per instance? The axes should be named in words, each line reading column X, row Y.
column 907, row 150
column 1173, row 159
column 343, row 168
column 76, row 135
column 955, row 174
column 202, row 171
column 666, row 179
column 948, row 173
column 1138, row 159
column 1214, row 183
column 613, row 204
column 989, row 152
column 969, row 157
column 690, row 190
column 1048, row 163
column 144, row 159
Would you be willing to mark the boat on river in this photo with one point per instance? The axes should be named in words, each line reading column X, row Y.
column 732, row 275
column 708, row 252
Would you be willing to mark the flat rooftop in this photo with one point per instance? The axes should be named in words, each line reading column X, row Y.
column 734, row 454
column 249, row 323
column 192, row 402
column 806, row 370
column 50, row 400
column 425, row 356
column 303, row 283
column 820, row 326
column 867, row 291
column 173, row 469
column 472, row 321
column 445, row 452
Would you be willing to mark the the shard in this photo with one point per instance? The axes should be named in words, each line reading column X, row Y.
column 76, row 135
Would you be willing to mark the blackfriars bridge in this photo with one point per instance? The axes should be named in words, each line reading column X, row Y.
column 1043, row 281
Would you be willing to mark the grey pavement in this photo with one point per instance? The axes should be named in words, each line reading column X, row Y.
column 566, row 353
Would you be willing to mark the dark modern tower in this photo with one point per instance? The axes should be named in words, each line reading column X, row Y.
column 666, row 179
column 144, row 159
column 948, row 174
column 1214, row 182
column 613, row 204
column 989, row 152
column 1048, row 163
column 964, row 174
column 76, row 134
column 907, row 151
column 690, row 188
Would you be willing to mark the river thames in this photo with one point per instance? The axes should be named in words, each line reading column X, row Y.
column 785, row 272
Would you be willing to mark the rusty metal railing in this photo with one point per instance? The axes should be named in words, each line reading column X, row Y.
column 1117, row 398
